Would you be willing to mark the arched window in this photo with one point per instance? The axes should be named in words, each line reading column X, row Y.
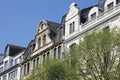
column 42, row 26
column 72, row 46
column 93, row 13
column 55, row 53
column 38, row 61
column 44, row 40
column 48, row 55
column 34, row 64
column 59, row 52
column 44, row 57
column 39, row 42
column 28, row 67
column 25, row 69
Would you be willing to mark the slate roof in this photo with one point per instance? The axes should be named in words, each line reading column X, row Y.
column 29, row 50
column 84, row 14
column 14, row 49
column 63, row 19
column 53, row 26
column 1, row 57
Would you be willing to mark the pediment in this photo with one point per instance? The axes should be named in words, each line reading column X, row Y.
column 42, row 25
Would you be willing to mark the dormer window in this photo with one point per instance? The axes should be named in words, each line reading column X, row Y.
column 93, row 16
column 44, row 40
column 117, row 1
column 109, row 6
column 72, row 27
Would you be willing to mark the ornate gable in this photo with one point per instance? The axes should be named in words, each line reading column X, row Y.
column 72, row 11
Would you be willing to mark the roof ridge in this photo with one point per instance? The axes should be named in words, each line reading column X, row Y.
column 15, row 45
column 52, row 22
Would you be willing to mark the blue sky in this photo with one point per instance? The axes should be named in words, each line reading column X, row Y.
column 19, row 18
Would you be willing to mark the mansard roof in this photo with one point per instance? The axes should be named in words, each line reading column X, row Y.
column 29, row 50
column 1, row 57
column 82, row 13
column 53, row 26
column 63, row 19
column 86, row 10
column 13, row 50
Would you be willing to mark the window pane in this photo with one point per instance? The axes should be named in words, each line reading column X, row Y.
column 44, row 58
column 48, row 55
column 28, row 67
column 24, row 69
column 39, row 42
column 6, row 65
column 110, row 5
column 16, row 61
column 42, row 26
column 117, row 1
column 59, row 52
column 38, row 61
column 34, row 64
column 44, row 40
column 70, row 28
column 55, row 53
column 5, row 77
column 11, row 63
column 93, row 16
column 73, row 26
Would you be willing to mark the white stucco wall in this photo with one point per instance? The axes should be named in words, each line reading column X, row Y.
column 72, row 16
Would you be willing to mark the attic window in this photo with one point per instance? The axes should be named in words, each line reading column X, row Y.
column 39, row 42
column 109, row 6
column 42, row 26
column 117, row 1
column 93, row 15
column 44, row 40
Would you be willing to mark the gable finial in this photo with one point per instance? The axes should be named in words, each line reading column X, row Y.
column 73, row 5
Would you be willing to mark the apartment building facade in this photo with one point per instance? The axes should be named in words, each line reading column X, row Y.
column 48, row 44
column 10, row 65
column 78, row 22
column 52, row 39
